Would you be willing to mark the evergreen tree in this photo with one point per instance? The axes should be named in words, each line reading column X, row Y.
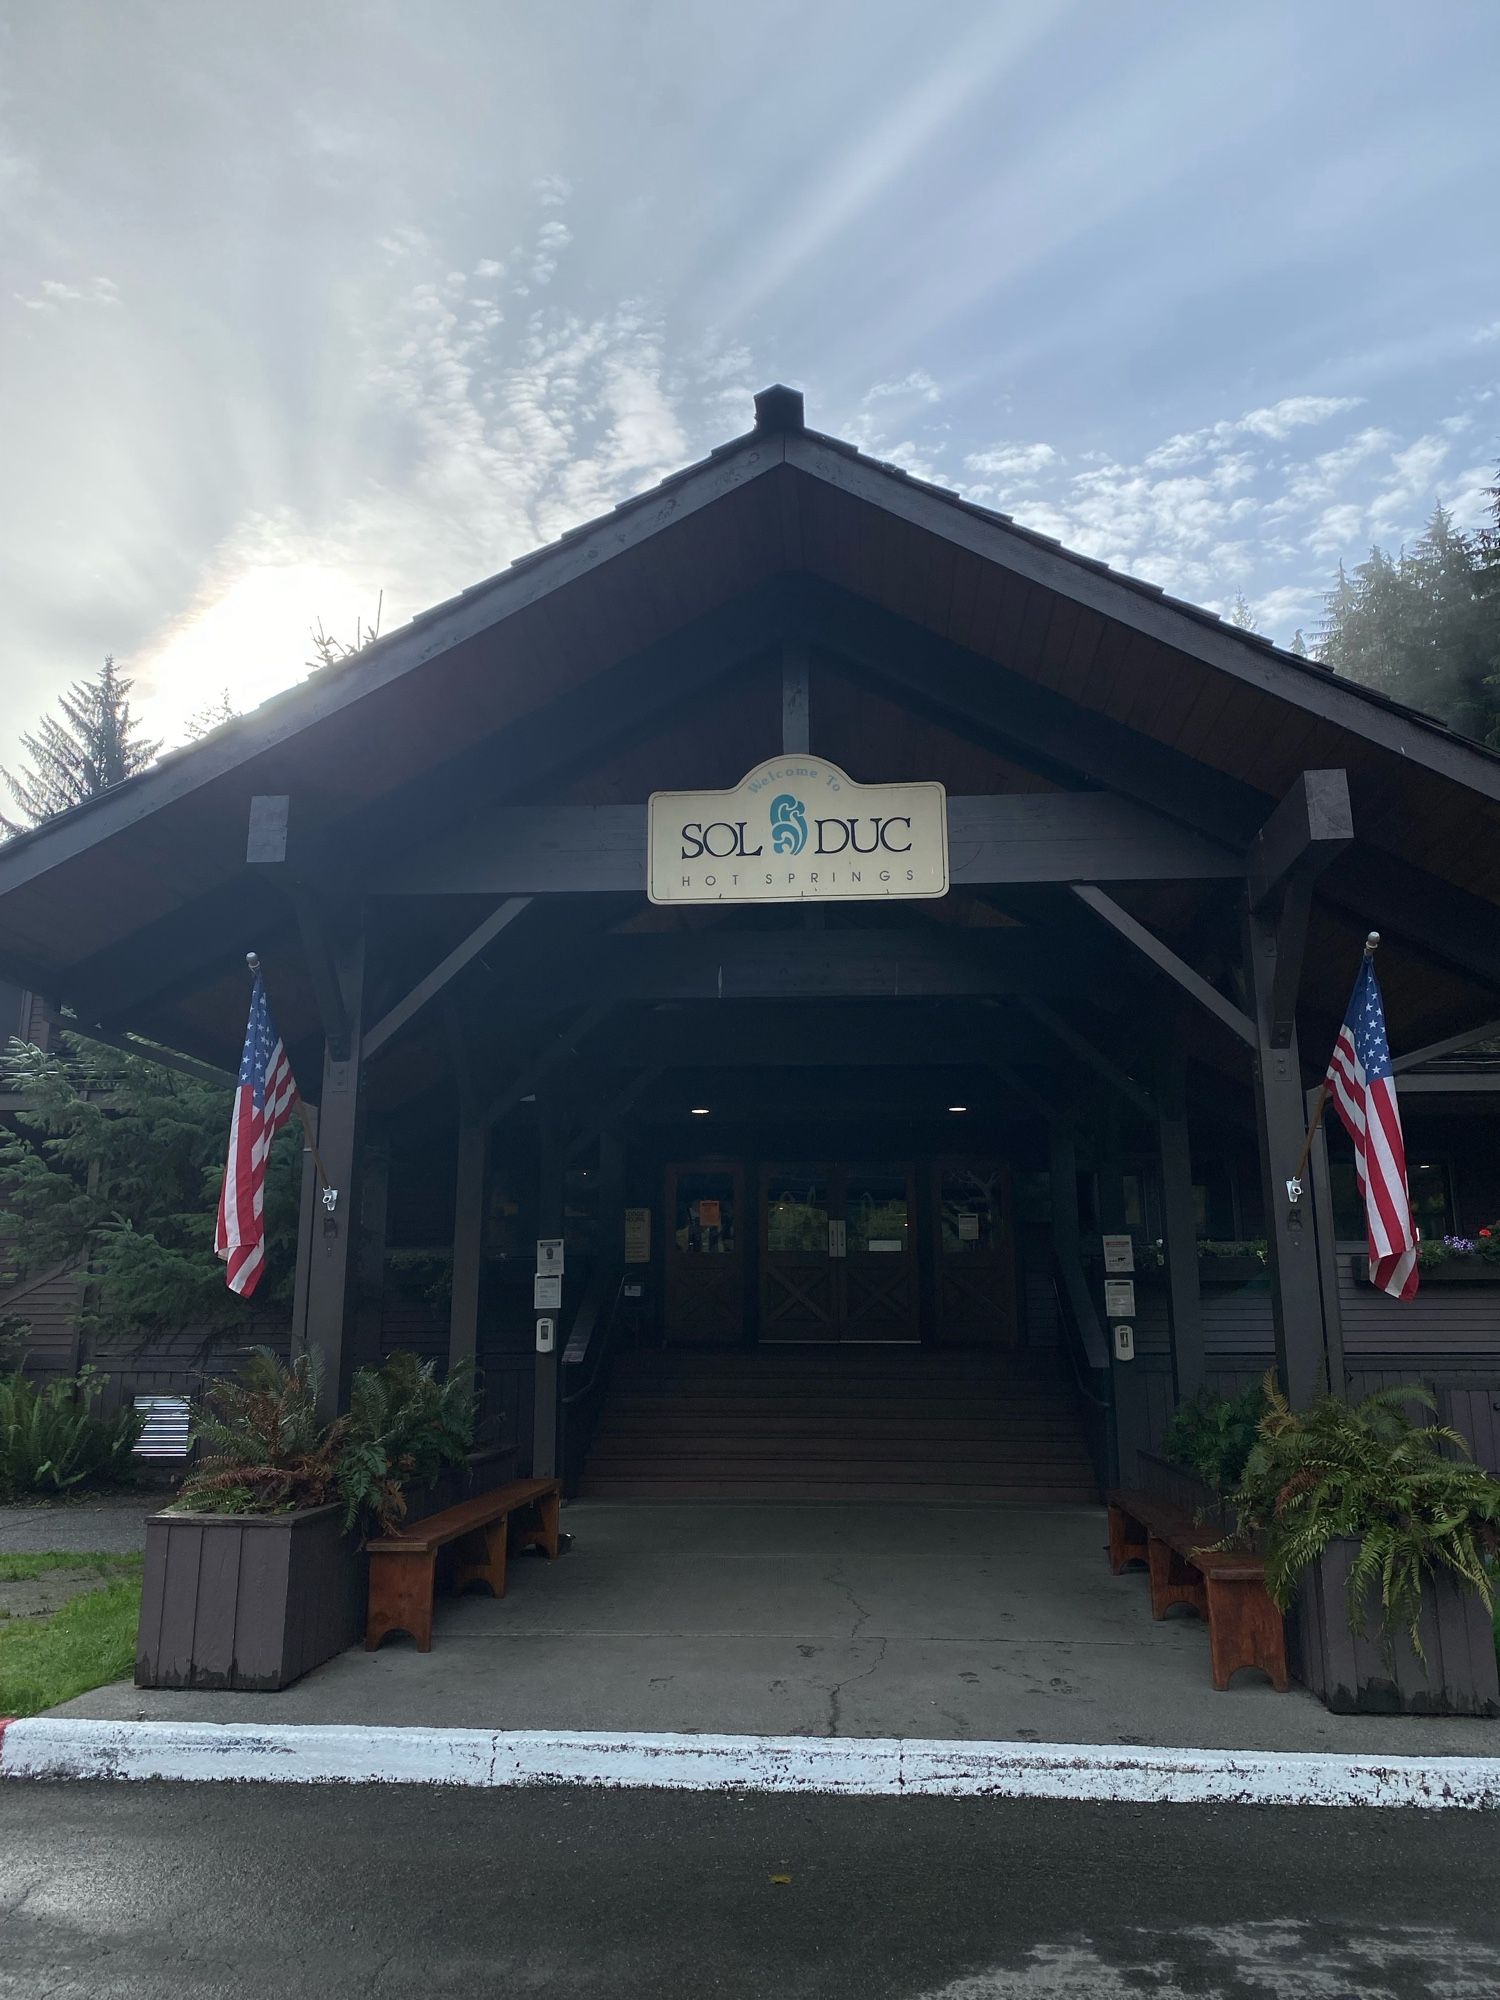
column 1299, row 645
column 112, row 1165
column 91, row 746
column 204, row 721
column 1422, row 627
column 1241, row 616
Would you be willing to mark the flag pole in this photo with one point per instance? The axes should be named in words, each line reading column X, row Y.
column 252, row 960
column 1372, row 943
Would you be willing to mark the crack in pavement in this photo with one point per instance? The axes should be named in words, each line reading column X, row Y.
column 835, row 1692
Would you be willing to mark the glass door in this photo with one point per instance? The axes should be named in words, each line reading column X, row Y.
column 880, row 1263
column 799, row 1289
column 838, row 1253
column 976, row 1293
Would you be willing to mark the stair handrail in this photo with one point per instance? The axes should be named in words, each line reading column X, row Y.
column 1088, row 1356
column 593, row 1320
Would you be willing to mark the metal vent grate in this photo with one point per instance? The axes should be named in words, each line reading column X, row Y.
column 166, row 1431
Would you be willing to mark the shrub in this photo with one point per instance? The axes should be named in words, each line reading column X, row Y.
column 403, row 1426
column 1407, row 1493
column 267, row 1451
column 53, row 1436
column 265, row 1448
column 1213, row 1435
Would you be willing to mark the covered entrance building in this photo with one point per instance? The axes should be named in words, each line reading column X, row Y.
column 1024, row 917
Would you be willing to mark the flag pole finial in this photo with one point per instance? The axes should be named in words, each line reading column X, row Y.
column 1371, row 942
column 253, row 961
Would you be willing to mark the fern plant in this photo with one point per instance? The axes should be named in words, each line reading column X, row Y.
column 1214, row 1435
column 53, row 1435
column 1406, row 1492
column 265, row 1450
column 403, row 1427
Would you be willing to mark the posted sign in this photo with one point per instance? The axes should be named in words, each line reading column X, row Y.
column 797, row 829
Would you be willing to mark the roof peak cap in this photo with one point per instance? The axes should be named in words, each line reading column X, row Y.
column 779, row 409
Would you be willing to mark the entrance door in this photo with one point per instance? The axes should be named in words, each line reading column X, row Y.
column 973, row 1253
column 838, row 1253
column 704, row 1254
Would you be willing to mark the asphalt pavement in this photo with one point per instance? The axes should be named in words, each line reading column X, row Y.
column 120, row 1892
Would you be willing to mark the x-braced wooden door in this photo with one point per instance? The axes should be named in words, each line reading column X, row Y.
column 838, row 1253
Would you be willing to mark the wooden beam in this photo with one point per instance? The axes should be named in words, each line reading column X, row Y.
column 323, row 971
column 1022, row 1090
column 1291, row 948
column 541, row 1066
column 446, row 970
column 1096, row 1059
column 468, row 1241
column 1296, row 1284
column 1052, row 733
column 1016, row 837
column 151, row 1052
column 1450, row 1083
column 1166, row 960
column 909, row 963
column 326, row 695
column 1179, row 1223
column 1252, row 663
column 600, row 1120
column 1310, row 828
column 1451, row 1045
column 340, row 1141
column 549, row 1222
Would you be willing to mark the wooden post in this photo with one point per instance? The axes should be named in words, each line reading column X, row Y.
column 368, row 1347
column 549, row 1222
column 611, row 1196
column 1280, row 1109
column 1179, row 1229
column 1320, row 1185
column 308, row 1212
column 339, row 1140
column 468, row 1239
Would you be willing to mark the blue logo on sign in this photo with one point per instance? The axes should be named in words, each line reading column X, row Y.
column 788, row 824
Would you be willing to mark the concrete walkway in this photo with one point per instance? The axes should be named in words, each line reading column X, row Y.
column 968, row 1623
column 110, row 1524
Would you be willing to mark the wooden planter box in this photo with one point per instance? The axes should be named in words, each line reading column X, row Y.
column 254, row 1601
column 1180, row 1488
column 250, row 1601
column 1231, row 1270
column 1458, row 1271
column 1355, row 1675
column 484, row 1471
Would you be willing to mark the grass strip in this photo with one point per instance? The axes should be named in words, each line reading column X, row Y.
column 89, row 1641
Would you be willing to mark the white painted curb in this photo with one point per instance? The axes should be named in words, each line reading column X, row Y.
column 878, row 1767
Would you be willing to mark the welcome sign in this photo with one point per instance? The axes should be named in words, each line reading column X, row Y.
column 797, row 829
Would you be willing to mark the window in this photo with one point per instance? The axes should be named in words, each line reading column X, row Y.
column 1428, row 1181
column 704, row 1223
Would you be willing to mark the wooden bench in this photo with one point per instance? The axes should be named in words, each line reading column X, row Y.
column 403, row 1566
column 1226, row 1587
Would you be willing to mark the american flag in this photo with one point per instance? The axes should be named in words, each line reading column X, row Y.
column 1363, row 1090
column 264, row 1099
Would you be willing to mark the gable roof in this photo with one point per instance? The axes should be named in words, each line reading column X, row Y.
column 779, row 501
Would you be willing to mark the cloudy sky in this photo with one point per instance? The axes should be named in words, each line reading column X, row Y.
column 305, row 303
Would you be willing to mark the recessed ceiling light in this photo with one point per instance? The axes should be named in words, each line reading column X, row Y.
column 700, row 1111
column 958, row 1107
